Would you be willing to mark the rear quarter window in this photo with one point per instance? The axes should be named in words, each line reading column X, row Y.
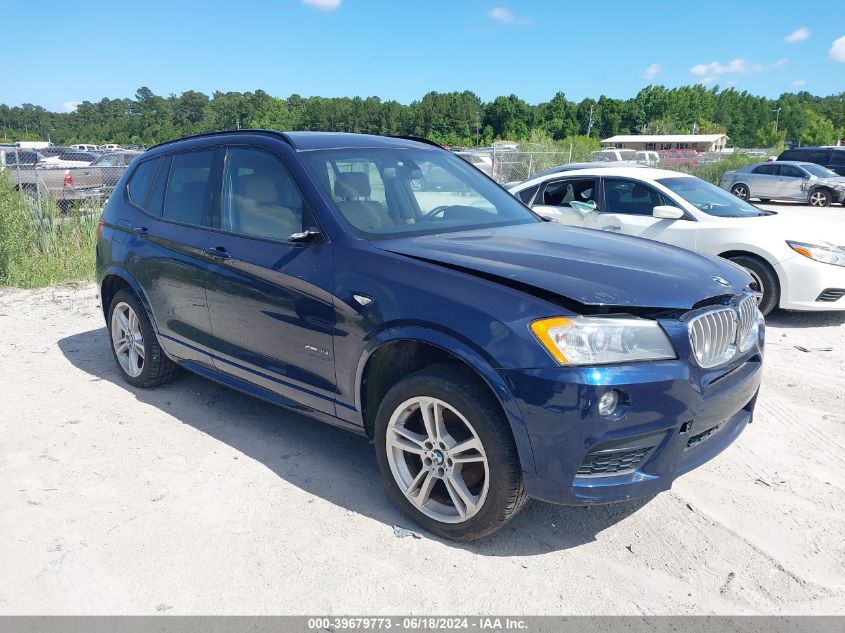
column 138, row 188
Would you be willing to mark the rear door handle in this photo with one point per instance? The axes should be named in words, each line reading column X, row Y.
column 218, row 251
column 142, row 231
column 611, row 227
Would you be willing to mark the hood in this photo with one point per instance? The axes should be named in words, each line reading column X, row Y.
column 833, row 181
column 588, row 266
column 785, row 226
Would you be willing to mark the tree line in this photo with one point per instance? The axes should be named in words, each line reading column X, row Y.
column 453, row 118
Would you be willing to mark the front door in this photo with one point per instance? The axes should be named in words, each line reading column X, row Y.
column 628, row 207
column 791, row 183
column 271, row 311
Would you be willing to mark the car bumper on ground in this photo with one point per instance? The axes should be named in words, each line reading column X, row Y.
column 811, row 285
column 674, row 421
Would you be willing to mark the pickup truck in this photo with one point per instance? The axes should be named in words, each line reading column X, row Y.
column 66, row 185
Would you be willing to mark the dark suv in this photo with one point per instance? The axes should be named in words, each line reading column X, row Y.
column 831, row 157
column 492, row 356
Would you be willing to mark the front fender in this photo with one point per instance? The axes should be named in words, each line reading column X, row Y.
column 476, row 359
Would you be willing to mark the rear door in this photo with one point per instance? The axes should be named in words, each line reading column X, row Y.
column 169, row 239
column 269, row 298
column 628, row 206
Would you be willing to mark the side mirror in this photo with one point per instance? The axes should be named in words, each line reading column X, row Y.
column 305, row 237
column 666, row 212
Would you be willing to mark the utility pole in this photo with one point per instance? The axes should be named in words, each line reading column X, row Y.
column 777, row 119
column 477, row 129
column 590, row 124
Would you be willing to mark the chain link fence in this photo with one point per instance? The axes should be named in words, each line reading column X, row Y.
column 66, row 178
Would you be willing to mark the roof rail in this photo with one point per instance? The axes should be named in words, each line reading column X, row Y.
column 418, row 139
column 276, row 133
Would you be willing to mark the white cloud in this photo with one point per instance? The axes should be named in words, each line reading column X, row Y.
column 837, row 50
column 780, row 63
column 505, row 16
column 798, row 35
column 70, row 106
column 652, row 71
column 798, row 83
column 323, row 5
column 715, row 69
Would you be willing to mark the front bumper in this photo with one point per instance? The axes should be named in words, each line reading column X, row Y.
column 678, row 418
column 803, row 281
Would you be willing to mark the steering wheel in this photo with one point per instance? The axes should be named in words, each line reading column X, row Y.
column 431, row 215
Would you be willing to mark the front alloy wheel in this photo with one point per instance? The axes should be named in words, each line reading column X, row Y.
column 820, row 198
column 446, row 453
column 437, row 459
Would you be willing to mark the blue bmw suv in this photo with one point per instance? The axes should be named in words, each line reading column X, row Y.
column 385, row 286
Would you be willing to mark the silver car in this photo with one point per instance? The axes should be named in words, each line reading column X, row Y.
column 786, row 180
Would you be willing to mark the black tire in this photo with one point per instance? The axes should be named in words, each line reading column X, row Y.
column 763, row 275
column 466, row 393
column 741, row 191
column 157, row 367
column 820, row 198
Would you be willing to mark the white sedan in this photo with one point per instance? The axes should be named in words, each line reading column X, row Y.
column 796, row 265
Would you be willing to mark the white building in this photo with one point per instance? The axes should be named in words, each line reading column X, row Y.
column 698, row 142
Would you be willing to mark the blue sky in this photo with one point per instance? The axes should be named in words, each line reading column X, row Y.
column 401, row 49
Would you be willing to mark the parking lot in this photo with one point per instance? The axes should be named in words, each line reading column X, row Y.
column 192, row 498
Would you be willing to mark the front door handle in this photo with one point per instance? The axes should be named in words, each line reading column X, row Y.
column 218, row 251
column 611, row 227
column 142, row 231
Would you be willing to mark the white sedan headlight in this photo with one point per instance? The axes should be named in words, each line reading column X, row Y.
column 827, row 254
column 599, row 341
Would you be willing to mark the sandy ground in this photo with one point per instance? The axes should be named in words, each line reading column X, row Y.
column 195, row 499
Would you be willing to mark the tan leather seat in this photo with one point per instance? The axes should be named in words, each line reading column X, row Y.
column 367, row 215
column 260, row 212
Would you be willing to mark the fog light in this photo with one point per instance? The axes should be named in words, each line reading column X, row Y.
column 608, row 402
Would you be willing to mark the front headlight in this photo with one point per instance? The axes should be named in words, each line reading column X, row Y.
column 828, row 254
column 599, row 340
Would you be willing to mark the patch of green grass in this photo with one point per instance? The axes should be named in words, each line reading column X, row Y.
column 39, row 245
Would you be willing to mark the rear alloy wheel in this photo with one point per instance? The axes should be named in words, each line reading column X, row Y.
column 767, row 290
column 446, row 453
column 134, row 344
column 820, row 198
column 740, row 191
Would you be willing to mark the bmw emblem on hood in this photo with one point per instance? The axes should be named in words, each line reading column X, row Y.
column 721, row 281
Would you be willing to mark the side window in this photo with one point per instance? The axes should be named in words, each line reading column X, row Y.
column 632, row 198
column 188, row 196
column 139, row 184
column 574, row 193
column 260, row 196
column 790, row 171
column 766, row 170
column 526, row 195
column 837, row 158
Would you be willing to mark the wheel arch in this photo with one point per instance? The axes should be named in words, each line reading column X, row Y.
column 116, row 279
column 762, row 258
column 400, row 352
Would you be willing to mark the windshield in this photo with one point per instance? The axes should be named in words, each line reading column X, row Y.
column 386, row 192
column 818, row 170
column 710, row 199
